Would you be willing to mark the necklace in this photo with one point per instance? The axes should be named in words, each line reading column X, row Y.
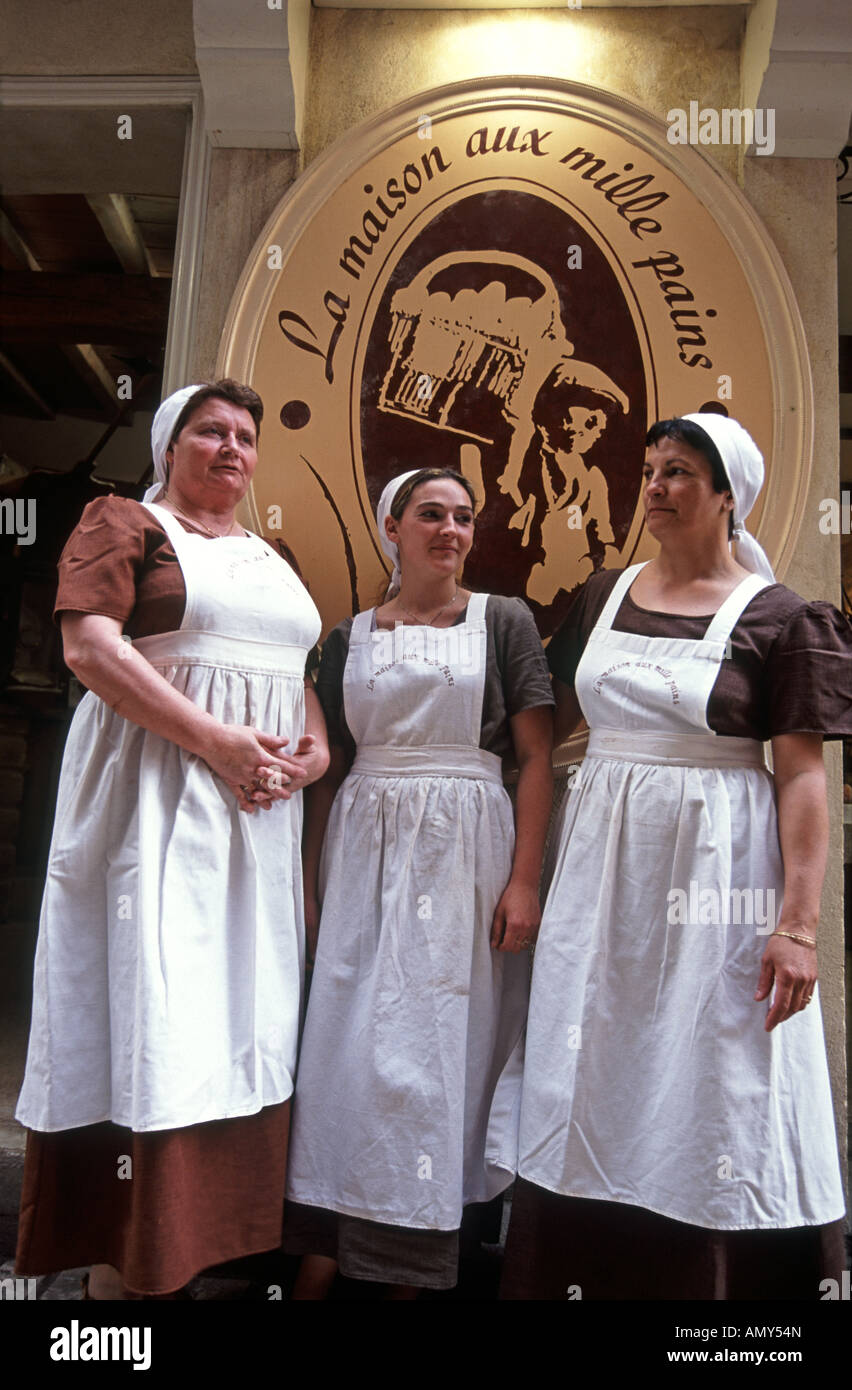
column 217, row 535
column 428, row 621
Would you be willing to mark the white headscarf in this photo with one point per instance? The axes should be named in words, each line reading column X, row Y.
column 744, row 466
column 386, row 501
column 161, row 437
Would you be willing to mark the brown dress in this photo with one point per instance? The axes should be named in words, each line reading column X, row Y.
column 789, row 670
column 162, row 1205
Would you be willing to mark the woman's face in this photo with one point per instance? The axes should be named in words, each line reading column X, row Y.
column 213, row 459
column 435, row 532
column 678, row 495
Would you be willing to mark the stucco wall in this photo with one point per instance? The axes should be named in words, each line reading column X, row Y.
column 245, row 186
column 363, row 61
column 82, row 38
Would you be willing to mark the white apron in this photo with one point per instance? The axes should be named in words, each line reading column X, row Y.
column 169, row 960
column 649, row 1077
column 406, row 1104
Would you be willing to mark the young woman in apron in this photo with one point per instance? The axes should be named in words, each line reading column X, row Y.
column 168, row 971
column 676, row 1098
column 409, row 1072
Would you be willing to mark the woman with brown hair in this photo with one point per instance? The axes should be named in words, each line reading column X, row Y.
column 406, row 1102
column 169, row 963
column 677, row 1136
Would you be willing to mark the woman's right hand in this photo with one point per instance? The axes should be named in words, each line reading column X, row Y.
column 242, row 756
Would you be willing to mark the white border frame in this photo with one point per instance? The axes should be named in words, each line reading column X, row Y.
column 180, row 92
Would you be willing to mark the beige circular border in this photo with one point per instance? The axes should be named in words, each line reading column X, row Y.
column 792, row 405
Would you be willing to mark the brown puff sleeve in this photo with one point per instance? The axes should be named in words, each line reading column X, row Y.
column 809, row 674
column 120, row 563
column 102, row 559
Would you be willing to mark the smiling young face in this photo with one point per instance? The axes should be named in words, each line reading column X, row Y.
column 212, row 460
column 435, row 532
column 678, row 496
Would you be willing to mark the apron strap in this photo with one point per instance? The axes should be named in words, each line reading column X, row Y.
column 476, row 608
column 727, row 617
column 169, row 523
column 613, row 603
column 362, row 626
column 362, row 623
column 177, row 533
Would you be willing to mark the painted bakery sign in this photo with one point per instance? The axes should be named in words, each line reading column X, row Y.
column 514, row 282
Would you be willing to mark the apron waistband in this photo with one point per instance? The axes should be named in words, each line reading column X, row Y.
column 188, row 648
column 429, row 760
column 676, row 750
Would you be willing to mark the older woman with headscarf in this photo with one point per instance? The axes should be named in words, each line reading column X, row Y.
column 409, row 1075
column 677, row 1138
column 168, row 968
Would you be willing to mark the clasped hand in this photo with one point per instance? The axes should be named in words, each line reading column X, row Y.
column 255, row 767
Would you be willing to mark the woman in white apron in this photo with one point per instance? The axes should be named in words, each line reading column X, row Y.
column 169, row 963
column 677, row 1136
column 409, row 1073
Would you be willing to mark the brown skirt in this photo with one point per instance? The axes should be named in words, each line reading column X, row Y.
column 159, row 1206
column 573, row 1247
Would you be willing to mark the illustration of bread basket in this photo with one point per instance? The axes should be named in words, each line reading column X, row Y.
column 462, row 336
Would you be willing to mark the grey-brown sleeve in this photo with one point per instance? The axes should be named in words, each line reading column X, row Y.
column 516, row 676
column 329, row 683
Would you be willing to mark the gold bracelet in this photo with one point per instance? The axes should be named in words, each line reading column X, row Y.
column 802, row 940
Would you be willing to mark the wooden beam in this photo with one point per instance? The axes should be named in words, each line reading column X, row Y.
column 160, row 260
column 85, row 360
column 117, row 223
column 16, row 243
column 26, row 390
column 48, row 307
column 93, row 371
